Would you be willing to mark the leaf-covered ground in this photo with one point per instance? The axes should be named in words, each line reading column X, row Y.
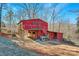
column 8, row 48
column 33, row 48
column 50, row 50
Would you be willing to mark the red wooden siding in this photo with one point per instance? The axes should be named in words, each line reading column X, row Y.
column 59, row 36
column 37, row 25
column 51, row 35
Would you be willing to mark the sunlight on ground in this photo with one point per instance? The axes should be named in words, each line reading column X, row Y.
column 49, row 49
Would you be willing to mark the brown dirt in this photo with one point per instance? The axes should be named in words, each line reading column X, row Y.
column 50, row 50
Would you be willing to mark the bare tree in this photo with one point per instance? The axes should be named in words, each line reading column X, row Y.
column 78, row 24
column 31, row 9
column 9, row 17
column 1, row 5
column 68, row 28
column 76, row 12
column 60, row 23
column 55, row 13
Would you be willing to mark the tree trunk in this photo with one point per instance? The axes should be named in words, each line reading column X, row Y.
column 0, row 16
column 59, row 27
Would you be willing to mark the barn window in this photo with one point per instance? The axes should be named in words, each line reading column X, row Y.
column 35, row 23
column 33, row 32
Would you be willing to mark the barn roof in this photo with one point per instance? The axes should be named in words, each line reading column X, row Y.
column 53, row 32
column 31, row 20
column 35, row 29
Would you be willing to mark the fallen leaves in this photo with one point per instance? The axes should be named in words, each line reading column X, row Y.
column 50, row 50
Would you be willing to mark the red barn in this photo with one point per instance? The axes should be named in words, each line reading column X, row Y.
column 59, row 36
column 35, row 27
column 55, row 35
column 52, row 35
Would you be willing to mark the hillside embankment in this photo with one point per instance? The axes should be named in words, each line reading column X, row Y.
column 48, row 49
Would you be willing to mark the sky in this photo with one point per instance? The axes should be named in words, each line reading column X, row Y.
column 64, row 10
